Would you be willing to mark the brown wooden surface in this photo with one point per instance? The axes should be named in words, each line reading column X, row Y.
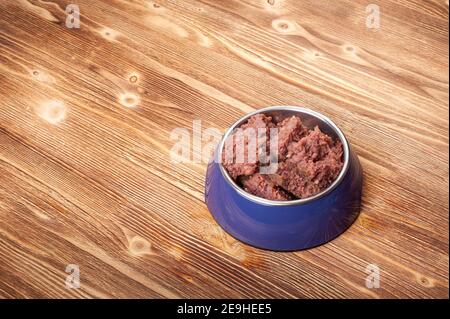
column 86, row 180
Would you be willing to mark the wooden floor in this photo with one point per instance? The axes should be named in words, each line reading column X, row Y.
column 86, row 116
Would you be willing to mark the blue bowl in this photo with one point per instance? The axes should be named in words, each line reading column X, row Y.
column 286, row 225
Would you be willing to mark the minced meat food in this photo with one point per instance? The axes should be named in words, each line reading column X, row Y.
column 308, row 159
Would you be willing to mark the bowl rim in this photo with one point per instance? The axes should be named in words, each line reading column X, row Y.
column 301, row 201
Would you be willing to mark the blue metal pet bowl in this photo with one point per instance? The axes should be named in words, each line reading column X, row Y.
column 286, row 225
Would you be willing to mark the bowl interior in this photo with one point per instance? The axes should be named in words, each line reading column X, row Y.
column 310, row 119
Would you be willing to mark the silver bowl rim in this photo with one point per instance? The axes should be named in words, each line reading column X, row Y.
column 268, row 202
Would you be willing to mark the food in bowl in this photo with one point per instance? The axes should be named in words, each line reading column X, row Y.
column 308, row 160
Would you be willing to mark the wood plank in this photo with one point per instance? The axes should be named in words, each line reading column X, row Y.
column 86, row 179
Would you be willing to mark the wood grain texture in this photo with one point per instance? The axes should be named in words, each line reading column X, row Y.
column 86, row 180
